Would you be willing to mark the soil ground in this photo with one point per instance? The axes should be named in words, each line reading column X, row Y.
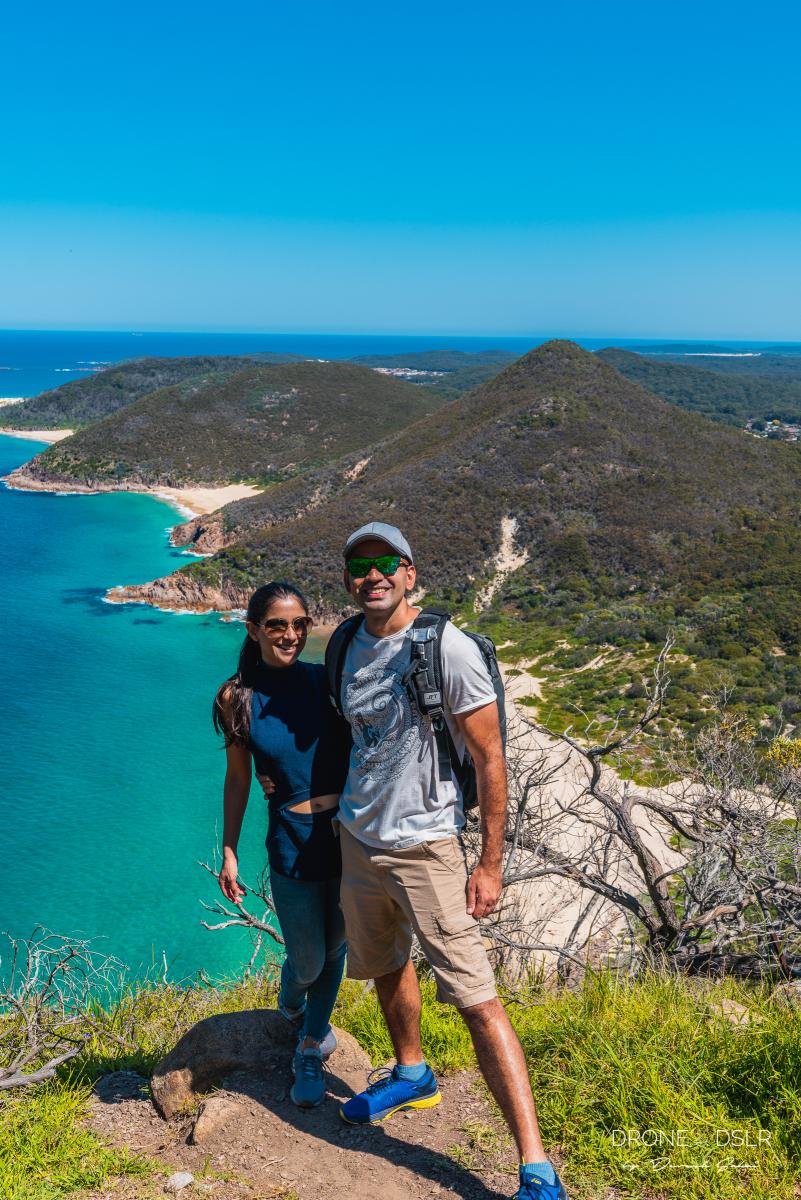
column 273, row 1149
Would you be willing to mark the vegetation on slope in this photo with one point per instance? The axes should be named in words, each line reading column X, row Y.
column 83, row 401
column 636, row 517
column 260, row 425
column 79, row 403
column 733, row 398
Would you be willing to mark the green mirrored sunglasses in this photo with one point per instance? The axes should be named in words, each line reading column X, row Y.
column 385, row 564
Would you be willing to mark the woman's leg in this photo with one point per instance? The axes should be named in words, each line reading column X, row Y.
column 322, row 993
column 300, row 908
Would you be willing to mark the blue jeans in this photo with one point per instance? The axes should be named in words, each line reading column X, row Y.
column 314, row 935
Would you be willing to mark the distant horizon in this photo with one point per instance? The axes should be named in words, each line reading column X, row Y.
column 355, row 332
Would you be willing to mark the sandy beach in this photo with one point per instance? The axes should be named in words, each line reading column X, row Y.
column 189, row 501
column 197, row 501
column 38, row 435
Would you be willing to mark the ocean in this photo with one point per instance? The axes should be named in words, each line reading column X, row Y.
column 110, row 772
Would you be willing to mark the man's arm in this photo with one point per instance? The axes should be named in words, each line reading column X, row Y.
column 482, row 735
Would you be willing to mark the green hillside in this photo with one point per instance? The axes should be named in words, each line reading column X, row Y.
column 261, row 424
column 733, row 398
column 83, row 401
column 636, row 517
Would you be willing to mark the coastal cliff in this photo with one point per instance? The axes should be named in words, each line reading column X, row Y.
column 182, row 592
column 186, row 592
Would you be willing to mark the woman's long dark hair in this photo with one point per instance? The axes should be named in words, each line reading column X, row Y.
column 231, row 709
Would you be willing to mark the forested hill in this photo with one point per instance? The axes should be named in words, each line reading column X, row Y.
column 634, row 516
column 448, row 373
column 259, row 424
column 95, row 396
column 733, row 398
column 612, row 490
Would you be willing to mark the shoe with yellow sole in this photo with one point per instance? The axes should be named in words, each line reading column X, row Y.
column 386, row 1094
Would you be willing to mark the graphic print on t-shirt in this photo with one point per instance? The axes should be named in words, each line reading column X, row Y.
column 387, row 731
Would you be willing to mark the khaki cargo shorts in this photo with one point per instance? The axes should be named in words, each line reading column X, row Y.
column 387, row 895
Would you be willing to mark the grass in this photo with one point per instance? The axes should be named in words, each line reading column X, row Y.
column 616, row 1068
column 620, row 1071
column 45, row 1151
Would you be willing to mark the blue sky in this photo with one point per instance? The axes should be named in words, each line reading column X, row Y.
column 513, row 168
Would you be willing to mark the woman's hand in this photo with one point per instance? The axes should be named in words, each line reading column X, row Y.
column 267, row 785
column 229, row 886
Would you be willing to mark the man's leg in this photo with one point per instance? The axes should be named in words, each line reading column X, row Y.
column 399, row 997
column 503, row 1065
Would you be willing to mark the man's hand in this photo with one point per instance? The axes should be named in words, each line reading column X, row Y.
column 229, row 885
column 484, row 889
column 267, row 785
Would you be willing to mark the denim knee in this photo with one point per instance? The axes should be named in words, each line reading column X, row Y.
column 304, row 966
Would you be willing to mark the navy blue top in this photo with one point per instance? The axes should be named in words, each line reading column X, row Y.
column 301, row 742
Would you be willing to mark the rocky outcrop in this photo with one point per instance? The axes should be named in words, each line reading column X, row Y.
column 258, row 1041
column 182, row 592
column 28, row 480
column 206, row 534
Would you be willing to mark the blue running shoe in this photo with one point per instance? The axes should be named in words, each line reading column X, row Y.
column 386, row 1094
column 308, row 1090
column 534, row 1188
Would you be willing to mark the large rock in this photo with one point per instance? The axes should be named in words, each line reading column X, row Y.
column 258, row 1041
column 217, row 1047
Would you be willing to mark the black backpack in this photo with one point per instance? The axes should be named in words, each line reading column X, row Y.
column 423, row 683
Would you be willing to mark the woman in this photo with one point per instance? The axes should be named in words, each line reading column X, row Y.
column 275, row 712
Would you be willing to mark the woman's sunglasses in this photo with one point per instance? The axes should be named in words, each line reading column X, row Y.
column 385, row 564
column 279, row 625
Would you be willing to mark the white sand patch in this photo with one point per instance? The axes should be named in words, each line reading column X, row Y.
column 39, row 435
column 11, row 400
column 197, row 501
column 506, row 561
column 357, row 469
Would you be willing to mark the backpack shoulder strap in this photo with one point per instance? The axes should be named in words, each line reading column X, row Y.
column 335, row 653
column 423, row 681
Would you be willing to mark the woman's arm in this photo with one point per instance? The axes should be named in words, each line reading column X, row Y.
column 235, row 799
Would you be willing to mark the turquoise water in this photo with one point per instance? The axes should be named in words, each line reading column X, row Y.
column 110, row 772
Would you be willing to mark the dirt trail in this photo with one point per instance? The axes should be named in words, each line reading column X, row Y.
column 274, row 1149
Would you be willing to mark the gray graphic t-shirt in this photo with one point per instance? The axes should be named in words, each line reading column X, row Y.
column 393, row 797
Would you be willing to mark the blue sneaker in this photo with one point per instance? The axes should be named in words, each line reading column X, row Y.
column 386, row 1094
column 534, row 1188
column 308, row 1089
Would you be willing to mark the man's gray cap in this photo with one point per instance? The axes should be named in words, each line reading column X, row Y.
column 385, row 533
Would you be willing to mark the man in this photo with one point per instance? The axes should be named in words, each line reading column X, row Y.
column 403, row 863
